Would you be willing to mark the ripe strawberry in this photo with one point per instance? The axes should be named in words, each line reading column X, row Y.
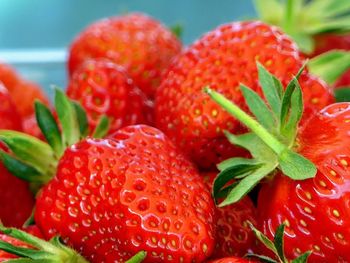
column 231, row 260
column 233, row 234
column 24, row 95
column 23, row 92
column 8, row 76
column 309, row 188
column 111, row 198
column 103, row 88
column 315, row 32
column 16, row 200
column 222, row 59
column 323, row 141
column 137, row 42
column 9, row 117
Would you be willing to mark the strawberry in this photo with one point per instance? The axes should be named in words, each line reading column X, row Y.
column 103, row 88
column 111, row 198
column 8, row 76
column 317, row 26
column 25, row 103
column 136, row 41
column 23, row 92
column 9, row 116
column 308, row 168
column 222, row 59
column 16, row 200
column 231, row 260
column 234, row 237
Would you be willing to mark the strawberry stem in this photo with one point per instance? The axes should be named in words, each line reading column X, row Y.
column 248, row 121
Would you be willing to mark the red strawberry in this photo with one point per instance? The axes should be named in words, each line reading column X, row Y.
column 34, row 230
column 330, row 32
column 323, row 200
column 24, row 95
column 9, row 117
column 16, row 200
column 308, row 168
column 111, row 198
column 223, row 59
column 231, row 260
column 234, row 237
column 138, row 42
column 144, row 196
column 8, row 75
column 103, row 88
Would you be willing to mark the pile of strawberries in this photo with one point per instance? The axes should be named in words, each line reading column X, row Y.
column 231, row 147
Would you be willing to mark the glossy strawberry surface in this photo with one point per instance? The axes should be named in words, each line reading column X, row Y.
column 222, row 59
column 315, row 211
column 138, row 42
column 231, row 260
column 103, row 88
column 134, row 191
column 233, row 234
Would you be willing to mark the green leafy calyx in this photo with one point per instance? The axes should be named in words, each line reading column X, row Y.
column 36, row 161
column 276, row 246
column 270, row 142
column 304, row 19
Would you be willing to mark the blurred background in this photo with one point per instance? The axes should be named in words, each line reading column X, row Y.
column 35, row 34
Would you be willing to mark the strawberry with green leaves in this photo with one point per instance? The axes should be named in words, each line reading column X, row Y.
column 135, row 41
column 306, row 168
column 224, row 58
column 111, row 198
column 103, row 88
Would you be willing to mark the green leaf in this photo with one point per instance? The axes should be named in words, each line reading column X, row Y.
column 234, row 161
column 289, row 129
column 342, row 94
column 139, row 257
column 279, row 242
column 68, row 118
column 49, row 128
column 303, row 258
column 82, row 119
column 305, row 42
column 258, row 107
column 22, row 145
column 264, row 7
column 102, row 127
column 177, row 30
column 20, row 251
column 247, row 184
column 287, row 101
column 327, row 8
column 258, row 149
column 232, row 172
column 296, row 166
column 271, row 87
column 331, row 65
column 264, row 239
column 20, row 169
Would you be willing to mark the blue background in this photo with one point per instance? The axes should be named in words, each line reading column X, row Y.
column 52, row 24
